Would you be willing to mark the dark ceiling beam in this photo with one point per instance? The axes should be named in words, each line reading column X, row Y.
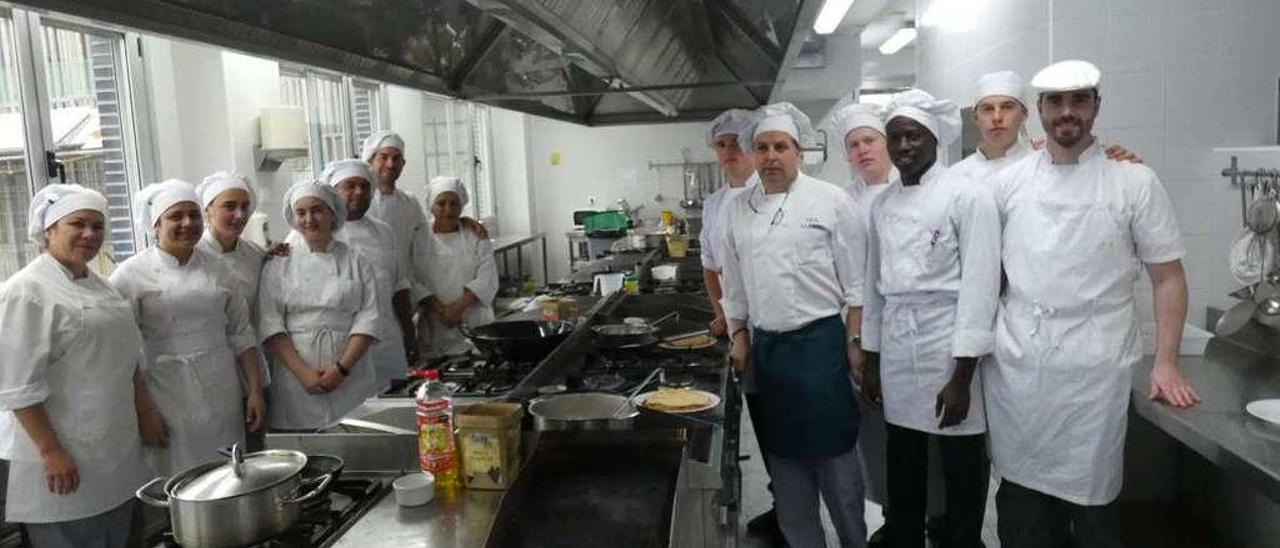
column 580, row 93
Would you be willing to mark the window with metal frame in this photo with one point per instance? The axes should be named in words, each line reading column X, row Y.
column 66, row 108
column 456, row 135
column 341, row 111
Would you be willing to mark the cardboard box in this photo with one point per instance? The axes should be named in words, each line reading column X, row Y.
column 489, row 444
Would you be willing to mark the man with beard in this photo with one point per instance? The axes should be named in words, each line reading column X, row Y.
column 933, row 278
column 1076, row 227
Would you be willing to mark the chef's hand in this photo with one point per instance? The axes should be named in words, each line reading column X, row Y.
column 60, row 472
column 1121, row 154
column 310, row 380
column 1168, row 384
column 152, row 428
column 857, row 363
column 740, row 350
column 474, row 226
column 718, row 326
column 279, row 250
column 255, row 410
column 871, row 378
column 331, row 378
column 952, row 403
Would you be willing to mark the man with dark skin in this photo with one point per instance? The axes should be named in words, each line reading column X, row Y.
column 933, row 279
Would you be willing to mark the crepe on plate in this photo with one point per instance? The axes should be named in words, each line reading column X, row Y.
column 676, row 399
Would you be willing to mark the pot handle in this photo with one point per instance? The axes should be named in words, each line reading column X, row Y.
column 146, row 497
column 323, row 483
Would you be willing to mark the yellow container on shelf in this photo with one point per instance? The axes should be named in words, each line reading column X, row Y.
column 668, row 218
column 489, row 444
column 677, row 245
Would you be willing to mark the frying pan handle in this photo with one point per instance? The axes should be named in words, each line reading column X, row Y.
column 322, row 484
column 466, row 331
column 146, row 497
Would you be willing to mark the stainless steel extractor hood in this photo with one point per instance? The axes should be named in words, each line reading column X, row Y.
column 586, row 61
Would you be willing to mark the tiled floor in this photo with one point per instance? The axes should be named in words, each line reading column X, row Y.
column 756, row 499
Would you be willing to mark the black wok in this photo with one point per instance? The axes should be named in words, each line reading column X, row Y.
column 521, row 341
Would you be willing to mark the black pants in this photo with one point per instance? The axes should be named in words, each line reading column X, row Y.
column 965, row 470
column 758, row 424
column 1031, row 519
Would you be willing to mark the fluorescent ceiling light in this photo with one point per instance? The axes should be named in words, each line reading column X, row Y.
column 830, row 16
column 899, row 40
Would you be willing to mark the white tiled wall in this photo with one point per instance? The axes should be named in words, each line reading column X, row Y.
column 1180, row 77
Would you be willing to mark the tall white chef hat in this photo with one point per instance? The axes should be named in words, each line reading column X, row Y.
column 156, row 198
column 378, row 140
column 314, row 189
column 784, row 117
column 440, row 185
column 735, row 121
column 56, row 201
column 849, row 114
column 1069, row 75
column 940, row 116
column 217, row 183
column 1004, row 83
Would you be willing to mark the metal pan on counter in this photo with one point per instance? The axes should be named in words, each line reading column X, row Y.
column 240, row 501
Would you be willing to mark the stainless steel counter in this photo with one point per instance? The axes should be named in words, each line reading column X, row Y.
column 1227, row 378
column 462, row 520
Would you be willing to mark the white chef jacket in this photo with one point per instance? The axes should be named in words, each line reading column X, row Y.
column 808, row 265
column 978, row 167
column 1067, row 331
column 712, row 234
column 71, row 345
column 377, row 242
column 863, row 194
column 933, row 278
column 448, row 264
column 245, row 264
column 402, row 212
column 194, row 324
column 319, row 299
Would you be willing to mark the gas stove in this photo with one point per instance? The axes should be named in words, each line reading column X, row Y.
column 323, row 520
column 470, row 376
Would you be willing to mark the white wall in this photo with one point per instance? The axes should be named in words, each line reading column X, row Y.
column 511, row 166
column 606, row 163
column 1179, row 78
column 404, row 108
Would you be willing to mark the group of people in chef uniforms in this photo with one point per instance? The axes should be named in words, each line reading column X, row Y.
column 206, row 338
column 902, row 335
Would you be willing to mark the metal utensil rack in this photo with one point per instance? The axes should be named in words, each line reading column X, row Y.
column 1250, row 182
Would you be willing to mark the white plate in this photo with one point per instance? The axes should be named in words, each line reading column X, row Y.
column 669, row 345
column 1266, row 410
column 639, row 400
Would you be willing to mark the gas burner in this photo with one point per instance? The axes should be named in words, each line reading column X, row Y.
column 607, row 382
column 322, row 521
column 678, row 380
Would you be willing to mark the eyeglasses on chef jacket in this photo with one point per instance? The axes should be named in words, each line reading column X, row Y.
column 777, row 215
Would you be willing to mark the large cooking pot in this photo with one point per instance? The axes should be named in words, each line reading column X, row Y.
column 240, row 501
column 582, row 411
column 521, row 341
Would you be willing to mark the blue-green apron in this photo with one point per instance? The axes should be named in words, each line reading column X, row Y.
column 804, row 390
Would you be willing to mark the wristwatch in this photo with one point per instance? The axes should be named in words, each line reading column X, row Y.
column 342, row 368
column 856, row 340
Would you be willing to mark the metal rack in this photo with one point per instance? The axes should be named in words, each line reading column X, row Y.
column 1250, row 182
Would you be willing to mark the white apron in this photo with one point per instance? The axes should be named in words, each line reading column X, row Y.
column 1067, row 333
column 450, row 263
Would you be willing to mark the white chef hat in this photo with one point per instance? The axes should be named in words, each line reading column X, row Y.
column 338, row 170
column 56, row 201
column 784, row 117
column 735, row 121
column 156, row 198
column 314, row 189
column 213, row 185
column 1067, row 75
column 849, row 114
column 378, row 140
column 440, row 185
column 1004, row 83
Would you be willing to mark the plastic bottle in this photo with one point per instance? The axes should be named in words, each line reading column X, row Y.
column 436, row 450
